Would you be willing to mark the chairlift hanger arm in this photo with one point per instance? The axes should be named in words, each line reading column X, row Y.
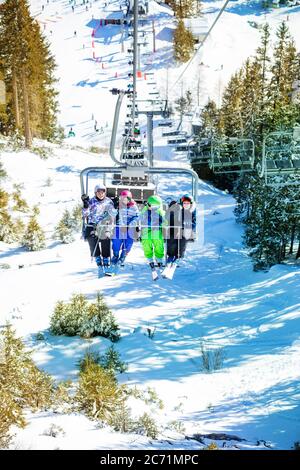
column 84, row 175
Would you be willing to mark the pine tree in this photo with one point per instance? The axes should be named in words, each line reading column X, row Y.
column 3, row 107
column 28, row 67
column 98, row 394
column 183, row 43
column 112, row 361
column 210, row 120
column 284, row 72
column 251, row 100
column 34, row 238
column 184, row 104
column 100, row 321
column 231, row 110
column 185, row 8
column 22, row 384
column 10, row 230
column 68, row 226
column 263, row 61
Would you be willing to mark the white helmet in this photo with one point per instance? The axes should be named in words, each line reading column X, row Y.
column 99, row 187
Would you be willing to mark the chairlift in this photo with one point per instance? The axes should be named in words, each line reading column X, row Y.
column 165, row 123
column 200, row 152
column 280, row 165
column 232, row 155
column 178, row 140
column 134, row 168
column 173, row 133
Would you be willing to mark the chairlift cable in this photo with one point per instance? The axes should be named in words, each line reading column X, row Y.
column 201, row 44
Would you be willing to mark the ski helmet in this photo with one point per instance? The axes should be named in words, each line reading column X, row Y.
column 126, row 193
column 187, row 197
column 99, row 187
column 154, row 200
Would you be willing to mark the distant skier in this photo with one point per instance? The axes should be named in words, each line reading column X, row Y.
column 153, row 222
column 71, row 133
column 127, row 221
column 99, row 212
column 181, row 227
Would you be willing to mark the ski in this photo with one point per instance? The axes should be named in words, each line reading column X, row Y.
column 100, row 271
column 108, row 270
column 169, row 271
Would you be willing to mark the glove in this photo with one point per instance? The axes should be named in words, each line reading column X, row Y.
column 115, row 201
column 85, row 199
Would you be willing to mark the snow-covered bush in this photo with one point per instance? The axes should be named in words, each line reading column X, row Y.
column 176, row 426
column 54, row 431
column 34, row 238
column 43, row 152
column 79, row 317
column 147, row 426
column 10, row 230
column 94, row 149
column 16, row 142
column 122, row 420
column 148, row 396
column 5, row 266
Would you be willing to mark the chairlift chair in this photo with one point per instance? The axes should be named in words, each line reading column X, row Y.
column 280, row 165
column 232, row 155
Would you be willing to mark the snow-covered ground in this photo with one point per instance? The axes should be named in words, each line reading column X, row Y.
column 215, row 298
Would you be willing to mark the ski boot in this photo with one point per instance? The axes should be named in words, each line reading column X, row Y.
column 122, row 259
column 160, row 263
column 107, row 267
column 154, row 273
column 100, row 266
